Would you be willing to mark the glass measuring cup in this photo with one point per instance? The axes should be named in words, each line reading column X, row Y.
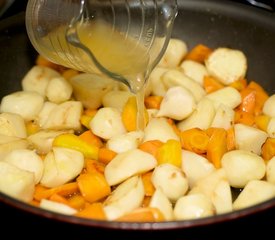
column 123, row 39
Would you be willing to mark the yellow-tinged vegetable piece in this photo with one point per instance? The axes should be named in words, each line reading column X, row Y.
column 268, row 149
column 93, row 186
column 170, row 152
column 92, row 211
column 217, row 146
column 85, row 120
column 262, row 121
column 129, row 114
column 74, row 142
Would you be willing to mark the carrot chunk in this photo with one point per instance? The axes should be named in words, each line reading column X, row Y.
column 211, row 84
column 153, row 102
column 217, row 146
column 147, row 214
column 195, row 140
column 199, row 53
column 93, row 186
column 92, row 211
column 106, row 155
column 268, row 149
column 151, row 146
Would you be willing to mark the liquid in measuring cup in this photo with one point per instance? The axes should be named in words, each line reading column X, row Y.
column 116, row 52
column 121, row 55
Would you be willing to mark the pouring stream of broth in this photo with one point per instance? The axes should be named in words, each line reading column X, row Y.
column 92, row 45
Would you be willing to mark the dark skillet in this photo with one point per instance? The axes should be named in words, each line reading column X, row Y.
column 213, row 23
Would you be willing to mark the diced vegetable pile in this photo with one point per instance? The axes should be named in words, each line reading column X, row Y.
column 69, row 141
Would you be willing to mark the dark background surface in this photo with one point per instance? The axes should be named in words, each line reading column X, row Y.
column 16, row 222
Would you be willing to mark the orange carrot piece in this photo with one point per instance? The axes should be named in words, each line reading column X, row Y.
column 239, row 84
column 63, row 190
column 268, row 149
column 41, row 192
column 147, row 214
column 106, row 155
column 77, row 202
column 217, row 146
column 199, row 53
column 146, row 201
column 211, row 84
column 230, row 139
column 210, row 131
column 58, row 198
column 92, row 211
column 90, row 112
column 195, row 140
column 92, row 166
column 151, row 146
column 93, row 186
column 244, row 117
column 248, row 100
column 90, row 138
column 261, row 97
column 67, row 189
column 153, row 102
column 34, row 203
column 147, row 183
